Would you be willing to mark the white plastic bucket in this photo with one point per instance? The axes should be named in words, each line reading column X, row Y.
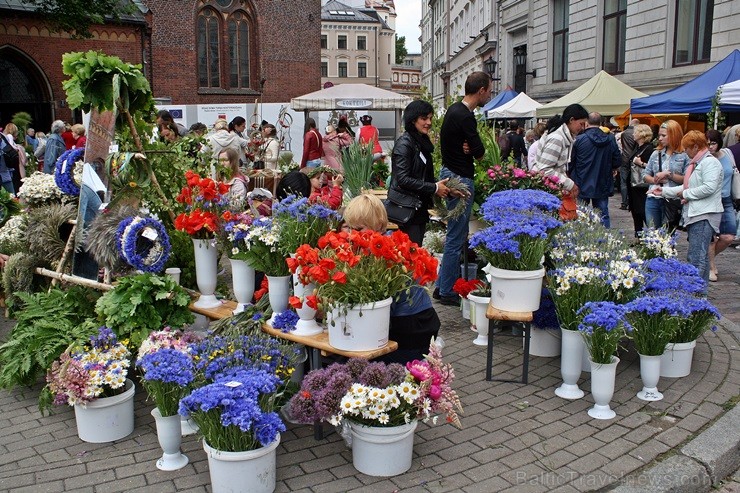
column 544, row 342
column 516, row 291
column 362, row 328
column 676, row 360
column 252, row 471
column 107, row 419
column 378, row 451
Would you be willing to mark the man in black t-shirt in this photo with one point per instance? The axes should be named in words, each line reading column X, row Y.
column 460, row 145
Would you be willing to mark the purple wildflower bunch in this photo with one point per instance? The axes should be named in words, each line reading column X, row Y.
column 654, row 319
column 302, row 222
column 602, row 327
column 237, row 411
column 166, row 376
column 286, row 320
column 85, row 372
column 322, row 390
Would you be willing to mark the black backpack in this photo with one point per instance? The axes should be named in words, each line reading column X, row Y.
column 10, row 154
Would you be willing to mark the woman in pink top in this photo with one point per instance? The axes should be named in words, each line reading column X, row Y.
column 334, row 143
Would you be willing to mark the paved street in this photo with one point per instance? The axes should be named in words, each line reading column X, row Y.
column 518, row 438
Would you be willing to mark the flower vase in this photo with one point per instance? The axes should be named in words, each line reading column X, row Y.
column 252, row 471
column 188, row 426
column 242, row 277
column 516, row 291
column 306, row 325
column 585, row 365
column 465, row 307
column 360, row 327
column 106, row 419
column 278, row 288
column 677, row 358
column 382, row 451
column 169, row 435
column 571, row 352
column 206, row 272
column 602, row 388
column 650, row 374
column 478, row 320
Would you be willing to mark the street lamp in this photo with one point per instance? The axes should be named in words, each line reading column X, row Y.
column 489, row 65
column 520, row 60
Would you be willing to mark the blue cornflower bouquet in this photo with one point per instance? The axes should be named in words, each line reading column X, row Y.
column 654, row 320
column 166, row 375
column 698, row 315
column 302, row 222
column 669, row 274
column 602, row 328
column 521, row 221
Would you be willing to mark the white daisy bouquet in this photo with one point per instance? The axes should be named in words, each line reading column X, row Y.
column 658, row 242
column 40, row 189
column 261, row 248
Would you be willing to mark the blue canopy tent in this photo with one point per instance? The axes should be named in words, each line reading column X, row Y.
column 501, row 98
column 696, row 95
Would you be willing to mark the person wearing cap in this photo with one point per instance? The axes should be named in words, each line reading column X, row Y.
column 369, row 136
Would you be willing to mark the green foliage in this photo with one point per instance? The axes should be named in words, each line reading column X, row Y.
column 182, row 255
column 18, row 277
column 47, row 325
column 142, row 303
column 401, row 50
column 357, row 162
column 22, row 120
column 76, row 16
column 105, row 83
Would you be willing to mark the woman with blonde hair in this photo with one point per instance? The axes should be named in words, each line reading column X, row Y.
column 636, row 186
column 701, row 191
column 665, row 168
column 78, row 131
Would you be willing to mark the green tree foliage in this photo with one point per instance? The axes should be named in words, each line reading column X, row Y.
column 76, row 16
column 401, row 50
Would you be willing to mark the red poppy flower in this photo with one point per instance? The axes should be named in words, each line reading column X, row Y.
column 295, row 302
column 339, row 277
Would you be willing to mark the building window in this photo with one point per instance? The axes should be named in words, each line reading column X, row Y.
column 560, row 40
column 615, row 35
column 324, row 42
column 693, row 41
column 361, row 43
column 324, row 69
column 208, row 52
column 342, row 69
column 361, row 69
column 342, row 42
column 239, row 50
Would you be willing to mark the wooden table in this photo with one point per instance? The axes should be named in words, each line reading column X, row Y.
column 497, row 318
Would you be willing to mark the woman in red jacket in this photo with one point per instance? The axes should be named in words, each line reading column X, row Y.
column 312, row 145
column 369, row 136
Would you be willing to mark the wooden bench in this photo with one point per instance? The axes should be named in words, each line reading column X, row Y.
column 499, row 318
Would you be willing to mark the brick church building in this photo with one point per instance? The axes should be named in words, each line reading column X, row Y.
column 191, row 51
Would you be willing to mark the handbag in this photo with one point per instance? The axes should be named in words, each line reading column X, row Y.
column 735, row 184
column 10, row 154
column 636, row 179
column 400, row 207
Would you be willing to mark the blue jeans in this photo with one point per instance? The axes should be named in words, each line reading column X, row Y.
column 654, row 212
column 602, row 205
column 457, row 235
column 313, row 163
column 700, row 236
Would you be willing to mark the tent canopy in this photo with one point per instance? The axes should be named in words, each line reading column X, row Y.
column 351, row 97
column 696, row 95
column 729, row 99
column 521, row 106
column 602, row 93
column 501, row 98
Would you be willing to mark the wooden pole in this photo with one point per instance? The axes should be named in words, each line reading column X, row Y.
column 73, row 279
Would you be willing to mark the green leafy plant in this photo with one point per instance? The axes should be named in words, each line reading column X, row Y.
column 358, row 169
column 18, row 277
column 76, row 16
column 47, row 324
column 142, row 303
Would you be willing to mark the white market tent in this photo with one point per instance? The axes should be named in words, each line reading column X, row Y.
column 729, row 97
column 352, row 97
column 522, row 106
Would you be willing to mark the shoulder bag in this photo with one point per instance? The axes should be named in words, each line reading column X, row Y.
column 400, row 207
column 636, row 171
column 10, row 154
column 735, row 184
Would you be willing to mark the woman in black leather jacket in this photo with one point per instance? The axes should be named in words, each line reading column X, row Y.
column 412, row 171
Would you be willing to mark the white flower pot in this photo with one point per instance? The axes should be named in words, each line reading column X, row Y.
column 252, row 471
column 602, row 388
column 107, row 419
column 169, row 435
column 206, row 272
column 571, row 353
column 242, row 278
column 650, row 374
column 544, row 342
column 278, row 289
column 516, row 291
column 306, row 325
column 585, row 364
column 362, row 328
column 478, row 319
column 465, row 307
column 677, row 358
column 383, row 451
column 188, row 426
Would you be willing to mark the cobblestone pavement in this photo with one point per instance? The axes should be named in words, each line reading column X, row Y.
column 518, row 438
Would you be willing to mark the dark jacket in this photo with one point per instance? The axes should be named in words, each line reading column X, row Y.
column 629, row 145
column 594, row 155
column 410, row 175
column 459, row 126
